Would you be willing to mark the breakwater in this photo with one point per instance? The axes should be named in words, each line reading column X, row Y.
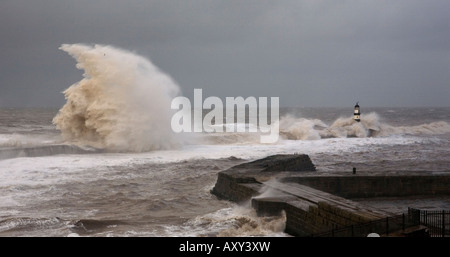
column 44, row 150
column 315, row 202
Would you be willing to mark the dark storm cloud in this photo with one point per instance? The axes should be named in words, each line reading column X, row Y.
column 309, row 53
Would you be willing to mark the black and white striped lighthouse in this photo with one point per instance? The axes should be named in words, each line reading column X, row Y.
column 357, row 113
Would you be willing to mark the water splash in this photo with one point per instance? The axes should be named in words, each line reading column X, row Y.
column 294, row 128
column 122, row 103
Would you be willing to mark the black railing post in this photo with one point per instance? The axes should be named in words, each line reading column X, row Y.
column 443, row 223
column 403, row 221
column 387, row 226
column 417, row 215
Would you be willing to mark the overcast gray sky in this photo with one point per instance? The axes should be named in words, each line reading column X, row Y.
column 308, row 53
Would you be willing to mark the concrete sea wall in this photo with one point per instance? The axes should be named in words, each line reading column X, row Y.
column 315, row 202
column 367, row 186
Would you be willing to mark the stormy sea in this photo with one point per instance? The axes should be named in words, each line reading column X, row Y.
column 106, row 164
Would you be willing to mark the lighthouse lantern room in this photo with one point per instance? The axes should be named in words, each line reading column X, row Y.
column 357, row 113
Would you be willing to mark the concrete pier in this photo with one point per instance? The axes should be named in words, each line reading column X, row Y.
column 315, row 202
column 44, row 150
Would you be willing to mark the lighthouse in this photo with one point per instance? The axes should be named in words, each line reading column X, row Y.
column 357, row 113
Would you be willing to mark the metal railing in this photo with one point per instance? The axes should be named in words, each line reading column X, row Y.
column 438, row 222
column 384, row 226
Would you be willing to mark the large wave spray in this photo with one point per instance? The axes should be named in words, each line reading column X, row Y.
column 371, row 126
column 121, row 104
column 298, row 128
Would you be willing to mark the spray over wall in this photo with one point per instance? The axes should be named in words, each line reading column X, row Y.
column 371, row 125
column 122, row 104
